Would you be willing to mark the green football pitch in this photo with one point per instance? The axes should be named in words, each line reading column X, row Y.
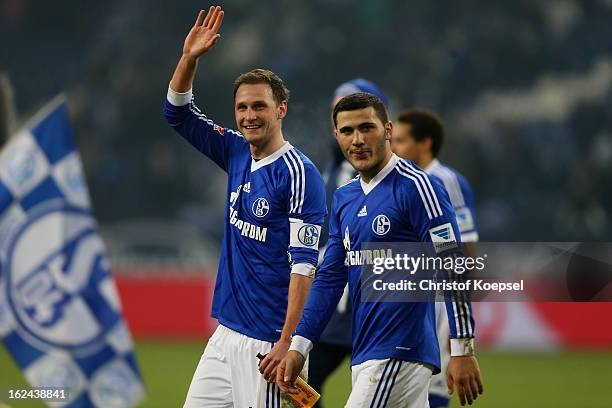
column 568, row 379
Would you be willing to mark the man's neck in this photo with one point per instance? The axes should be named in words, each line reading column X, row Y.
column 368, row 175
column 259, row 152
column 425, row 161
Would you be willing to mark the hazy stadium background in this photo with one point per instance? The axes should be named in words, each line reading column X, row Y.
column 525, row 88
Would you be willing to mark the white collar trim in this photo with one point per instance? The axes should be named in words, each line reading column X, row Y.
column 434, row 164
column 255, row 165
column 367, row 187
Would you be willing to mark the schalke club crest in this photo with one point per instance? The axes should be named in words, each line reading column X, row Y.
column 261, row 208
column 56, row 274
column 381, row 225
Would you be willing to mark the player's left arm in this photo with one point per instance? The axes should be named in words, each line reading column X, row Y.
column 299, row 286
column 464, row 371
column 433, row 213
column 306, row 215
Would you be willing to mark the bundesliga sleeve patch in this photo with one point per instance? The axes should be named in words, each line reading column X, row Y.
column 443, row 237
column 465, row 221
column 304, row 235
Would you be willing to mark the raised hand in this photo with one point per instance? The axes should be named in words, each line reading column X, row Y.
column 205, row 32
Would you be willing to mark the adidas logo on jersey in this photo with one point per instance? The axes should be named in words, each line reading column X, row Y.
column 363, row 212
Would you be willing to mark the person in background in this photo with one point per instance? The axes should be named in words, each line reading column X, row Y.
column 418, row 135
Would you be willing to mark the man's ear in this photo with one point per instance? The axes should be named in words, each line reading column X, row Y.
column 428, row 142
column 388, row 130
column 282, row 109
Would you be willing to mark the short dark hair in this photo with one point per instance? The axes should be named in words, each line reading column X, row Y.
column 264, row 76
column 361, row 100
column 424, row 124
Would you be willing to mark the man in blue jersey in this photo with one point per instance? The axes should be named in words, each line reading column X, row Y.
column 395, row 350
column 418, row 136
column 334, row 344
column 275, row 208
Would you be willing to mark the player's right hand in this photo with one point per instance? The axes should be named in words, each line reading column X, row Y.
column 288, row 371
column 205, row 32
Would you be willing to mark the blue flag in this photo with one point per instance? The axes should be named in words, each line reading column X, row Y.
column 60, row 314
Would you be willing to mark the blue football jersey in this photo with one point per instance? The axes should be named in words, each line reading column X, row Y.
column 401, row 204
column 275, row 208
column 461, row 197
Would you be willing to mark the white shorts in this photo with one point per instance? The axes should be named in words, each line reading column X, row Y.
column 389, row 383
column 228, row 374
column 438, row 386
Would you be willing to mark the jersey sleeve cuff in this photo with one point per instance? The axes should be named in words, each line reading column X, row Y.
column 301, row 344
column 304, row 269
column 462, row 347
column 179, row 98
